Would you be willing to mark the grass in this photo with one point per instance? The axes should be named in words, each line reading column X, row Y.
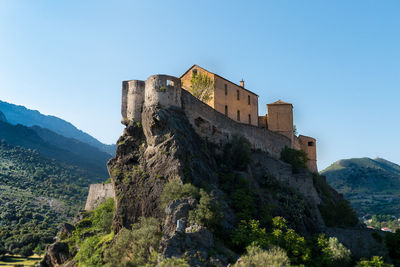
column 12, row 260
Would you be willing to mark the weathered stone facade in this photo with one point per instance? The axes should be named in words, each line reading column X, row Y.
column 212, row 120
column 233, row 100
column 98, row 193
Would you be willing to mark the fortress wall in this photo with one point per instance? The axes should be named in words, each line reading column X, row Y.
column 217, row 128
column 163, row 90
column 98, row 193
column 132, row 100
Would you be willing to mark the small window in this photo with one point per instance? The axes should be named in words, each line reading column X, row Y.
column 226, row 110
column 194, row 72
column 170, row 83
column 238, row 95
column 248, row 100
column 249, row 119
column 310, row 143
column 226, row 89
column 238, row 115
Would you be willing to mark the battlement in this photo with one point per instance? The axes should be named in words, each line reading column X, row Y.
column 270, row 134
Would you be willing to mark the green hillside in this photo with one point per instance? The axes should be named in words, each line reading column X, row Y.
column 36, row 195
column 371, row 185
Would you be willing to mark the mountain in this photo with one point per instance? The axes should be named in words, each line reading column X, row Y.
column 371, row 185
column 53, row 146
column 21, row 115
column 2, row 117
column 36, row 195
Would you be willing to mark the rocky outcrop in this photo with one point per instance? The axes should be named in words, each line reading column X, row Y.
column 56, row 255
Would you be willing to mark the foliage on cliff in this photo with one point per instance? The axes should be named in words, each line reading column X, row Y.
column 36, row 195
column 202, row 87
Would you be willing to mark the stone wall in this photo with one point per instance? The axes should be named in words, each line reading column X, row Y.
column 98, row 193
column 218, row 128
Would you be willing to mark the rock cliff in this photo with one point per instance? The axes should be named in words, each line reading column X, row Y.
column 164, row 147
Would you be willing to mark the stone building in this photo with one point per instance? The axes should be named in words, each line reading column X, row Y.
column 231, row 99
column 233, row 110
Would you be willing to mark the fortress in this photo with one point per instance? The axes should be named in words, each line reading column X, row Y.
column 233, row 109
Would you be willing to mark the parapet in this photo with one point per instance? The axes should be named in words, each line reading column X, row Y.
column 157, row 90
column 98, row 193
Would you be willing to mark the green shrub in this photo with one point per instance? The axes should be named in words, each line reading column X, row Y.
column 237, row 153
column 173, row 262
column 255, row 256
column 102, row 217
column 174, row 190
column 297, row 158
column 374, row 262
column 250, row 232
column 392, row 241
column 338, row 213
column 135, row 247
column 90, row 252
column 207, row 212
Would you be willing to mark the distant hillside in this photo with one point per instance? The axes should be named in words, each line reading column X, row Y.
column 371, row 185
column 36, row 195
column 53, row 146
column 21, row 115
column 3, row 117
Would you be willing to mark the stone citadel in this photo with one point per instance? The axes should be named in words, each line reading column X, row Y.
column 233, row 109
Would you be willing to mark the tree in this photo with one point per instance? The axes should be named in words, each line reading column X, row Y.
column 202, row 87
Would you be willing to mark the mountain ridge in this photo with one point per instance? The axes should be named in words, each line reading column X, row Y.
column 371, row 185
column 18, row 114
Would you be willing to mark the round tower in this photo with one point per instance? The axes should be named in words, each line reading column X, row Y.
column 163, row 90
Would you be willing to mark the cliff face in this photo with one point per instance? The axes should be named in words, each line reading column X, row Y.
column 163, row 147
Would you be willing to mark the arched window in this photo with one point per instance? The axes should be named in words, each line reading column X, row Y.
column 226, row 110
column 249, row 119
column 226, row 89
column 238, row 94
column 238, row 115
column 248, row 99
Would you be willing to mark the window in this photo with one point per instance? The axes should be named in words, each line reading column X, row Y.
column 238, row 115
column 238, row 95
column 248, row 100
column 226, row 110
column 249, row 119
column 310, row 143
column 226, row 89
column 194, row 72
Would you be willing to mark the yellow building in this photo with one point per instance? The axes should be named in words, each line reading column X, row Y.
column 233, row 100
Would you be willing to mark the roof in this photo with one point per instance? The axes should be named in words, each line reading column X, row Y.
column 280, row 102
column 219, row 77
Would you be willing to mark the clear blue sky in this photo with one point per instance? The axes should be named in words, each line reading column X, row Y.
column 338, row 62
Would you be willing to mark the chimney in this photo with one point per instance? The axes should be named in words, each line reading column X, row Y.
column 242, row 83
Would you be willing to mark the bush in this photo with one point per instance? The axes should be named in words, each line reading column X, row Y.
column 374, row 262
column 136, row 247
column 338, row 213
column 90, row 252
column 255, row 256
column 237, row 154
column 297, row 158
column 102, row 217
column 174, row 190
column 173, row 262
column 393, row 244
column 207, row 212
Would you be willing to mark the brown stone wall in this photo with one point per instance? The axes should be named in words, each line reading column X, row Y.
column 280, row 119
column 220, row 99
column 309, row 145
column 185, row 81
column 217, row 128
column 98, row 193
column 234, row 104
